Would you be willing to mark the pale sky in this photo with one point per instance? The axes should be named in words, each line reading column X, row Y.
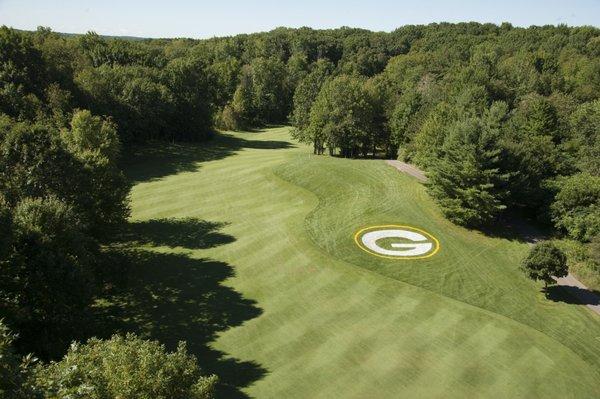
column 201, row 19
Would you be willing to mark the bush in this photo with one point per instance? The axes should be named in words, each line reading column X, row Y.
column 125, row 368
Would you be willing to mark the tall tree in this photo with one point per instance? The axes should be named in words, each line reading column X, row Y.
column 306, row 92
column 576, row 207
column 95, row 142
column 47, row 274
column 585, row 126
column 401, row 121
column 467, row 180
column 342, row 116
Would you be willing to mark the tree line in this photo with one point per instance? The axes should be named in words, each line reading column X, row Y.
column 501, row 119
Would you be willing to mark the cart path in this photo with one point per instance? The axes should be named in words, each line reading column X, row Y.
column 580, row 292
column 574, row 287
column 408, row 169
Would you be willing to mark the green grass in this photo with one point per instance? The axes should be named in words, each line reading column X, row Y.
column 246, row 251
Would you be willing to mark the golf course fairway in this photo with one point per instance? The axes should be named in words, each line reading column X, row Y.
column 247, row 252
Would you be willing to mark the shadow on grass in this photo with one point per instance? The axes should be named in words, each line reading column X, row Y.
column 162, row 159
column 516, row 227
column 172, row 297
column 573, row 295
column 189, row 233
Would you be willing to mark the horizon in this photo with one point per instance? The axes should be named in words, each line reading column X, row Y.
column 108, row 35
column 185, row 19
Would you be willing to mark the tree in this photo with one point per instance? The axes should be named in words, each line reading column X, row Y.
column 14, row 370
column 95, row 142
column 429, row 139
column 47, row 274
column 77, row 166
column 342, row 116
column 306, row 92
column 401, row 126
column 36, row 164
column 544, row 261
column 188, row 81
column 576, row 207
column 270, row 99
column 467, row 180
column 124, row 367
column 21, row 74
column 225, row 75
column 92, row 138
column 533, row 147
column 239, row 114
column 585, row 127
column 297, row 68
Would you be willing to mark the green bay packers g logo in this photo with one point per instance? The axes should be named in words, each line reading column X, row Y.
column 397, row 242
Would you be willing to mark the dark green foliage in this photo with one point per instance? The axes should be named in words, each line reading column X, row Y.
column 535, row 152
column 544, row 261
column 95, row 143
column 14, row 370
column 187, row 80
column 60, row 195
column 402, row 121
column 466, row 180
column 306, row 92
column 239, row 114
column 269, row 90
column 37, row 163
column 47, row 273
column 21, row 74
column 342, row 116
column 576, row 208
column 125, row 367
column 585, row 125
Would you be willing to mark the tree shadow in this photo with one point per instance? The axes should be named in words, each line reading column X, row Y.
column 172, row 297
column 516, row 227
column 160, row 159
column 573, row 295
column 189, row 233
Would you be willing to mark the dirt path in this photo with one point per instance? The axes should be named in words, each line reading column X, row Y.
column 574, row 287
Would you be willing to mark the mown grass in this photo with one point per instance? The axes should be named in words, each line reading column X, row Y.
column 245, row 249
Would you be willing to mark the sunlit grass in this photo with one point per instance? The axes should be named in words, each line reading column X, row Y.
column 295, row 309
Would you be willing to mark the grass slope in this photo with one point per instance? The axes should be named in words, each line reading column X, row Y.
column 246, row 251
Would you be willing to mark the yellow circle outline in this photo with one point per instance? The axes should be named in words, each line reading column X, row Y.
column 435, row 251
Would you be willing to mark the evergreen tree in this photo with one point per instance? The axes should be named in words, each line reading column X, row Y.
column 467, row 181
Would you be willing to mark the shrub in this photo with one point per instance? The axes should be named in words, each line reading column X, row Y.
column 126, row 368
column 544, row 261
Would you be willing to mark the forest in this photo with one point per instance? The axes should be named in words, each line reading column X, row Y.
column 504, row 120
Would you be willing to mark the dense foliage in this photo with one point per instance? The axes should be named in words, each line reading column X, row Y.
column 544, row 261
column 124, row 367
column 501, row 118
